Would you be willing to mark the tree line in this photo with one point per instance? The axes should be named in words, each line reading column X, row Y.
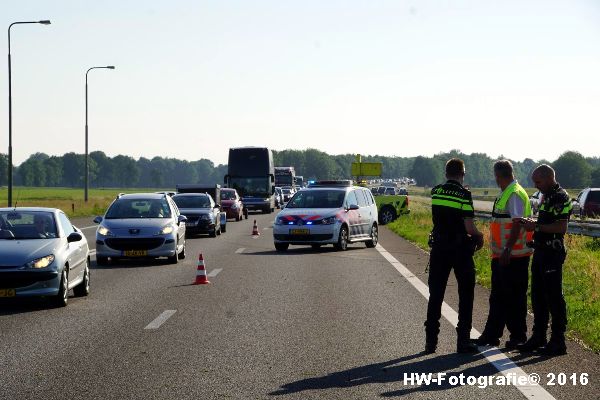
column 121, row 171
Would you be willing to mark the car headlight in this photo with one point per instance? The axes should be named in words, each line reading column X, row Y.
column 279, row 221
column 267, row 199
column 166, row 230
column 41, row 262
column 104, row 231
column 329, row 220
column 207, row 217
column 234, row 206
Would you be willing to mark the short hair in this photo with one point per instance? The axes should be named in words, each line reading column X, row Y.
column 544, row 171
column 455, row 167
column 503, row 168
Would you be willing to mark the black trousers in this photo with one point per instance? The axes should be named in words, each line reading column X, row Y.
column 508, row 299
column 442, row 260
column 546, row 292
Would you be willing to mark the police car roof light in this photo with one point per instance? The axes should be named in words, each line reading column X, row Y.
column 341, row 183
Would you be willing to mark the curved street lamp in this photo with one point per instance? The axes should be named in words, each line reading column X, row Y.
column 10, row 167
column 87, row 166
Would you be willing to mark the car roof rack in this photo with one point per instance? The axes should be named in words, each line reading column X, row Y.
column 335, row 183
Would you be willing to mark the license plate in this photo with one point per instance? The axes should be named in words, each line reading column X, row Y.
column 136, row 253
column 8, row 292
column 299, row 231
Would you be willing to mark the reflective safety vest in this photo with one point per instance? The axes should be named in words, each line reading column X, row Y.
column 502, row 224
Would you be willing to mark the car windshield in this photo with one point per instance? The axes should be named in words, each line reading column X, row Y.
column 318, row 199
column 138, row 208
column 227, row 195
column 22, row 225
column 594, row 196
column 192, row 201
column 286, row 191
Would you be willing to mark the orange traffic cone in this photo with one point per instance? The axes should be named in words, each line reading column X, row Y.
column 255, row 231
column 201, row 278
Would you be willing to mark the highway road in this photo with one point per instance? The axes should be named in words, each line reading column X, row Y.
column 303, row 324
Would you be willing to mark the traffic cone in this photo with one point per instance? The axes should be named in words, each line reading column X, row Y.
column 255, row 231
column 201, row 278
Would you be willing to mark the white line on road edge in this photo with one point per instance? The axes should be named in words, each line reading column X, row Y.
column 89, row 227
column 240, row 250
column 498, row 359
column 214, row 272
column 160, row 319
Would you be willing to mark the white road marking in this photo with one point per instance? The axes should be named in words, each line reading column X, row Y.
column 89, row 227
column 161, row 319
column 214, row 272
column 240, row 250
column 498, row 359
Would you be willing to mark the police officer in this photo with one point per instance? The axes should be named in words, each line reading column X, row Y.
column 454, row 239
column 510, row 261
column 546, row 269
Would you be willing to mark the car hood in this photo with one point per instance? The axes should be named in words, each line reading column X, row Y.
column 15, row 253
column 135, row 223
column 195, row 211
column 309, row 213
column 227, row 203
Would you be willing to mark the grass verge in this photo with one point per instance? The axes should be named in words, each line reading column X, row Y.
column 581, row 271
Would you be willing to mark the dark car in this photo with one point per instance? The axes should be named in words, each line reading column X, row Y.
column 587, row 203
column 202, row 213
column 231, row 204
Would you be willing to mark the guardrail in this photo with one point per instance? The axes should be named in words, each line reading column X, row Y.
column 591, row 229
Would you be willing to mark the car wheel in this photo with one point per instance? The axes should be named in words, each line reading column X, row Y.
column 281, row 246
column 387, row 215
column 83, row 289
column 174, row 259
column 101, row 260
column 213, row 233
column 374, row 237
column 181, row 255
column 342, row 243
column 62, row 297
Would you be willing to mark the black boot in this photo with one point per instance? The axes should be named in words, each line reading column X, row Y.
column 466, row 345
column 485, row 340
column 555, row 347
column 534, row 343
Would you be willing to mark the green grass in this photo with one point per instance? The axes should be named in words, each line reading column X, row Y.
column 67, row 199
column 581, row 272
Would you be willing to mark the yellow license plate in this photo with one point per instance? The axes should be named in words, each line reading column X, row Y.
column 8, row 292
column 299, row 231
column 136, row 253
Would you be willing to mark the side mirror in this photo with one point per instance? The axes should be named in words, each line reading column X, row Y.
column 353, row 207
column 217, row 205
column 98, row 219
column 74, row 237
column 181, row 218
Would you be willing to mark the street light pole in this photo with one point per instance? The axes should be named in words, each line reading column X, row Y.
column 87, row 166
column 10, row 167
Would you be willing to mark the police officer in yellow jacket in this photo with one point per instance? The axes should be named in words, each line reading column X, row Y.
column 510, row 261
column 454, row 239
column 546, row 268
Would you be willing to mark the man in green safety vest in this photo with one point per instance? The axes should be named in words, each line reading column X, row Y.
column 510, row 261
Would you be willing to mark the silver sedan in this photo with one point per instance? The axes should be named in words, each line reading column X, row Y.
column 42, row 254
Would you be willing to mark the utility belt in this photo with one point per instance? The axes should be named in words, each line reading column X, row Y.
column 551, row 244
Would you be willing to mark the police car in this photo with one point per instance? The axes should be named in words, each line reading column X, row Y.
column 327, row 212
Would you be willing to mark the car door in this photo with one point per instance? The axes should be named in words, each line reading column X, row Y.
column 180, row 225
column 76, row 254
column 363, row 213
column 353, row 215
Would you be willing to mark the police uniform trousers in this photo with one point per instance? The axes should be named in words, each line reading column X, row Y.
column 546, row 291
column 508, row 299
column 442, row 260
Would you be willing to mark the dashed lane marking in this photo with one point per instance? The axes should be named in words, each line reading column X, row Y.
column 214, row 272
column 495, row 357
column 161, row 319
column 240, row 250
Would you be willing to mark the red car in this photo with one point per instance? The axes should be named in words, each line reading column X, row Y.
column 232, row 204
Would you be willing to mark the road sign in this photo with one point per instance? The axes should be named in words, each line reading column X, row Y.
column 366, row 169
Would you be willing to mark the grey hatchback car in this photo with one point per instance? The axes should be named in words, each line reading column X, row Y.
column 42, row 254
column 142, row 225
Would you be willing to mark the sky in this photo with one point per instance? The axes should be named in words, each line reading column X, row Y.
column 397, row 78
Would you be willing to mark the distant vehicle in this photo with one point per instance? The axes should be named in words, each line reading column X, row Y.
column 299, row 181
column 214, row 190
column 285, row 176
column 288, row 192
column 380, row 190
column 329, row 212
column 42, row 254
column 587, row 203
column 202, row 213
column 168, row 193
column 231, row 204
column 403, row 191
column 251, row 173
column 535, row 200
column 391, row 204
column 390, row 191
column 278, row 197
column 141, row 225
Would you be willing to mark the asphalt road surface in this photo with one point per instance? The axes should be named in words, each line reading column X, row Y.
column 302, row 324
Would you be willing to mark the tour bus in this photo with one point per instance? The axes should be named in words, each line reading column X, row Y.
column 250, row 171
column 285, row 176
